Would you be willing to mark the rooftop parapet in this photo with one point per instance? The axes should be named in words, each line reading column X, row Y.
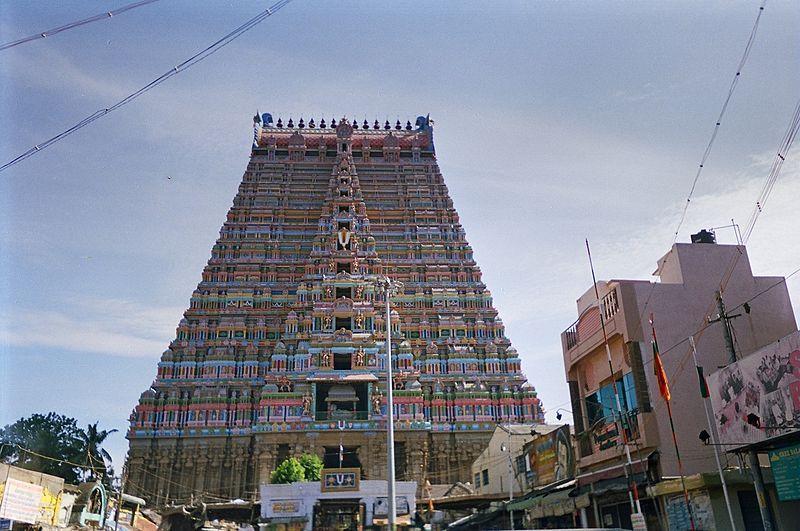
column 265, row 129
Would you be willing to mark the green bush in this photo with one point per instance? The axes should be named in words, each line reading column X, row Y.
column 307, row 468
column 312, row 466
column 289, row 471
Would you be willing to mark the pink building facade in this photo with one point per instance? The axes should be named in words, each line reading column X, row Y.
column 681, row 304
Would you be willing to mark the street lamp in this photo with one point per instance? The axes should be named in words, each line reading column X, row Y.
column 389, row 287
column 559, row 410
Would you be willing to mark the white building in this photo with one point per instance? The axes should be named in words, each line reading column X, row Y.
column 311, row 505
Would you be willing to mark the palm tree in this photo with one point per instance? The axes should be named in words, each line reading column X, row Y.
column 92, row 454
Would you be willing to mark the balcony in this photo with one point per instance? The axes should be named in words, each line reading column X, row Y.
column 589, row 322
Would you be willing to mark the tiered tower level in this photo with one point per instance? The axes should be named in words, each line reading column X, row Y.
column 282, row 350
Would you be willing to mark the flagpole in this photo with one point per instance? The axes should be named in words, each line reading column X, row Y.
column 664, row 389
column 705, row 395
column 633, row 490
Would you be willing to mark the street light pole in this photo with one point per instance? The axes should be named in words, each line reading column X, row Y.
column 716, row 450
column 389, row 287
column 510, row 481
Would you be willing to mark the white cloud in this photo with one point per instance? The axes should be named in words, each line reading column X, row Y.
column 106, row 326
column 71, row 77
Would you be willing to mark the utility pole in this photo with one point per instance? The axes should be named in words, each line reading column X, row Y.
column 752, row 457
column 725, row 319
column 510, row 480
column 119, row 498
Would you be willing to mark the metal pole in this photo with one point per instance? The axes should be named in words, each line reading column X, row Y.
column 633, row 491
column 392, row 517
column 755, row 467
column 761, row 492
column 119, row 498
column 712, row 432
column 510, row 480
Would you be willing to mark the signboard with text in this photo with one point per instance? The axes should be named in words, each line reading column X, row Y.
column 21, row 501
column 381, row 506
column 785, row 465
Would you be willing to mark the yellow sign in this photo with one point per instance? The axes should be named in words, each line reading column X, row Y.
column 286, row 507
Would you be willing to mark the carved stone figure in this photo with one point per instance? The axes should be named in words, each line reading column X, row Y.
column 377, row 398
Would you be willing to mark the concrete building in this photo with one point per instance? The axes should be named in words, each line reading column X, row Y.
column 490, row 471
column 681, row 303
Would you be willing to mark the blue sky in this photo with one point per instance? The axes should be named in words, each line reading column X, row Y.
column 554, row 121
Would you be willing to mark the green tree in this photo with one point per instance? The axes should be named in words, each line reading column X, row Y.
column 44, row 443
column 96, row 459
column 289, row 471
column 312, row 466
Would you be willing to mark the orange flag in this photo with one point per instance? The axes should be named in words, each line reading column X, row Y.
column 661, row 376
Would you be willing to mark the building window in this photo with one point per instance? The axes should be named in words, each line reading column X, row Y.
column 603, row 403
column 521, row 463
column 478, row 480
column 485, row 476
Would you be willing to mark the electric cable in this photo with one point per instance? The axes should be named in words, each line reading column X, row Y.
column 774, row 171
column 49, row 458
column 731, row 90
column 65, row 27
column 188, row 63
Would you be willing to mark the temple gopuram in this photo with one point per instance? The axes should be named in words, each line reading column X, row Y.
column 282, row 350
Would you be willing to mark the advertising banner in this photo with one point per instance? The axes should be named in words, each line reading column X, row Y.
column 758, row 397
column 551, row 457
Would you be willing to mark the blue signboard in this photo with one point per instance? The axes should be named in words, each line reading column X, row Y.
column 786, row 471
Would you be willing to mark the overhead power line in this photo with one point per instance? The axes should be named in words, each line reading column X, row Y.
column 774, row 171
column 731, row 89
column 65, row 27
column 751, row 39
column 193, row 60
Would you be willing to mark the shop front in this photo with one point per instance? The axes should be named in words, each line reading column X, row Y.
column 334, row 503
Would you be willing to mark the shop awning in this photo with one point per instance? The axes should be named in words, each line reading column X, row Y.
column 612, row 472
column 673, row 485
column 614, row 485
column 556, row 504
column 536, row 497
column 127, row 498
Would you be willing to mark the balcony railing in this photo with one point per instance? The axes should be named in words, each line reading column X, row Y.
column 609, row 305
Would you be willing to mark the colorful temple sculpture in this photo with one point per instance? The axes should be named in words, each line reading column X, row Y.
column 282, row 350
